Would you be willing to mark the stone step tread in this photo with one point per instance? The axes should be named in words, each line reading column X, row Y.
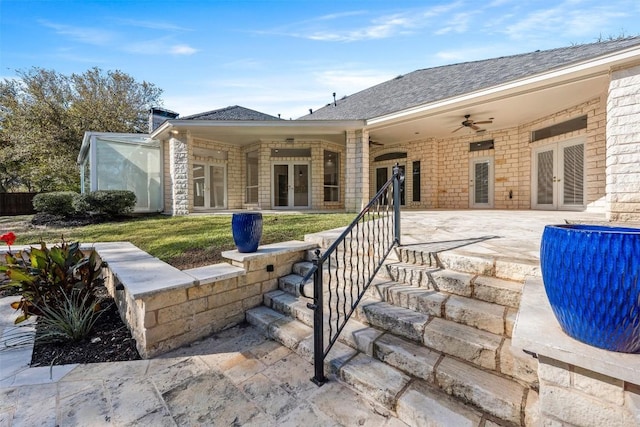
column 465, row 342
column 397, row 320
column 375, row 379
column 499, row 291
column 423, row 405
column 496, row 395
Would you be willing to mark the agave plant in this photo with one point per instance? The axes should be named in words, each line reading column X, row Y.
column 71, row 320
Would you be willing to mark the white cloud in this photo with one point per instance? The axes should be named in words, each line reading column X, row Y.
column 152, row 25
column 564, row 20
column 89, row 35
column 459, row 23
column 182, row 49
column 333, row 28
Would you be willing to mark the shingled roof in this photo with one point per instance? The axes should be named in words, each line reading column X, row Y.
column 234, row 112
column 435, row 84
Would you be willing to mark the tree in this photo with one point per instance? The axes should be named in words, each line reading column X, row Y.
column 44, row 114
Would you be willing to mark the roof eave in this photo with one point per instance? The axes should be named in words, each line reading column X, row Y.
column 170, row 126
column 579, row 71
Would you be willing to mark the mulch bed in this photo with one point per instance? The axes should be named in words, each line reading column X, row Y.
column 110, row 341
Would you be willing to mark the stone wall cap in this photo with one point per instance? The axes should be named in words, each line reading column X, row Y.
column 537, row 330
column 214, row 273
column 270, row 250
column 144, row 277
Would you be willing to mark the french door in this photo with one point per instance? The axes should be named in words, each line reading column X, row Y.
column 209, row 186
column 291, row 183
column 558, row 176
column 481, row 183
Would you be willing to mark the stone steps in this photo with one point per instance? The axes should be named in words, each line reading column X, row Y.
column 469, row 329
column 418, row 383
column 425, row 341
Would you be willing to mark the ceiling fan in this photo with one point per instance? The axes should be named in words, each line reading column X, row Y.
column 472, row 124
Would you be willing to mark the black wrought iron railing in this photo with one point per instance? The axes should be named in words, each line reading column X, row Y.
column 343, row 273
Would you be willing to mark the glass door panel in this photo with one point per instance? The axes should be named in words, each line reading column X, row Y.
column 546, row 178
column 572, row 187
column 217, row 186
column 198, row 185
column 301, row 185
column 281, row 185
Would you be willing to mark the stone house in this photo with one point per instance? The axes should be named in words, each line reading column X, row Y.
column 554, row 130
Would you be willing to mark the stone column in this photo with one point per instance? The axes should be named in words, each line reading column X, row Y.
column 179, row 169
column 623, row 146
column 357, row 170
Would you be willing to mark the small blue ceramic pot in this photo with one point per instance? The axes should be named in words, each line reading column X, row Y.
column 246, row 228
column 592, row 279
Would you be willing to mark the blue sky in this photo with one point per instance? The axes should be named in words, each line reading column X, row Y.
column 286, row 56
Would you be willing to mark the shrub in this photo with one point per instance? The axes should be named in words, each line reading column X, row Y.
column 55, row 203
column 106, row 202
column 44, row 277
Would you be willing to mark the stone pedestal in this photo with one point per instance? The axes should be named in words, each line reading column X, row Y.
column 579, row 384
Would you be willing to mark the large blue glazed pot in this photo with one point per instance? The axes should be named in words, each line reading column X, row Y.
column 592, row 278
column 246, row 228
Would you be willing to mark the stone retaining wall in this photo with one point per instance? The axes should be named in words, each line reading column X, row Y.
column 166, row 308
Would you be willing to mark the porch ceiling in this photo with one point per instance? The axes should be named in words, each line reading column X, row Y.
column 507, row 110
column 248, row 132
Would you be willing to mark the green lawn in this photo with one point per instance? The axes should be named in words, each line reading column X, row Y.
column 183, row 242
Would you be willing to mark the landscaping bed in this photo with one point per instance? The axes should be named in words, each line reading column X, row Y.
column 109, row 341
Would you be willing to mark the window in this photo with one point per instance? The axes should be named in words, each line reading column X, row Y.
column 290, row 152
column 390, row 156
column 416, row 181
column 252, row 177
column 560, row 128
column 331, row 176
column 481, row 145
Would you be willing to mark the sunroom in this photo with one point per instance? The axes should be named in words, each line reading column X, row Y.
column 123, row 161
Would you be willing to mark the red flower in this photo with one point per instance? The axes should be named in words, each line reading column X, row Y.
column 8, row 238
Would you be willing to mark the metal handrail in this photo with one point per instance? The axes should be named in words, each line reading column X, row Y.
column 377, row 232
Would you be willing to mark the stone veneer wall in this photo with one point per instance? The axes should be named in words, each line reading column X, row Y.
column 179, row 173
column 356, row 195
column 445, row 162
column 623, row 146
column 572, row 395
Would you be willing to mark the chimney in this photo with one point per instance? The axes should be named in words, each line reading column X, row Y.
column 158, row 115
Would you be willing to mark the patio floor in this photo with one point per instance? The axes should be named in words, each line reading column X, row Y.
column 238, row 377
